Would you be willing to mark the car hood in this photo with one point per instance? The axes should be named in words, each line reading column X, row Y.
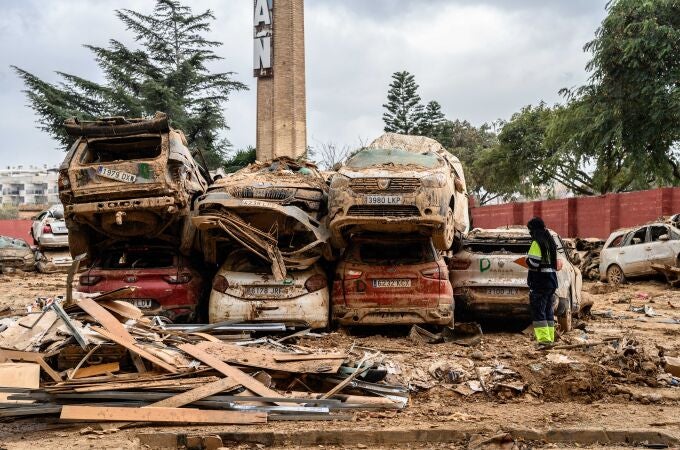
column 397, row 171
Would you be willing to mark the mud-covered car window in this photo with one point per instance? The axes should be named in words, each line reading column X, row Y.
column 119, row 149
column 394, row 253
column 8, row 242
column 139, row 259
column 246, row 262
column 378, row 157
column 657, row 231
column 617, row 241
column 489, row 247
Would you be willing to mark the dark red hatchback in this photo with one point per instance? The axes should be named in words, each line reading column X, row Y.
column 166, row 283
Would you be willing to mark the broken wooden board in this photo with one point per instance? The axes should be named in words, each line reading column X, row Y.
column 105, row 318
column 132, row 346
column 189, row 383
column 19, row 336
column 235, row 374
column 267, row 359
column 14, row 355
column 164, row 415
column 203, row 391
column 122, row 308
column 288, row 357
column 23, row 375
column 99, row 369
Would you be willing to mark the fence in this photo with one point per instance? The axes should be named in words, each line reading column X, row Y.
column 584, row 216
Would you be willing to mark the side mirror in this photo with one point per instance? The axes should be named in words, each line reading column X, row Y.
column 664, row 237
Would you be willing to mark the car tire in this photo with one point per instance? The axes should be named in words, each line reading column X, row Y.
column 443, row 238
column 565, row 320
column 615, row 275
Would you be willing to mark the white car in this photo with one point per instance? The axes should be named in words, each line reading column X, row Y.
column 245, row 290
column 49, row 228
column 489, row 278
column 631, row 252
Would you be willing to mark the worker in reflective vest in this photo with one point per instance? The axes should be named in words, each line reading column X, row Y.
column 542, row 281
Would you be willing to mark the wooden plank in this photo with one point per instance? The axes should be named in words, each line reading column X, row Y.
column 122, row 308
column 99, row 369
column 207, row 337
column 235, row 374
column 105, row 318
column 142, row 384
column 23, row 375
column 130, row 345
column 165, row 415
column 288, row 357
column 188, row 397
column 15, row 355
column 267, row 359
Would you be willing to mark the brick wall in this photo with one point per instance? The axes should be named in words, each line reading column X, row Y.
column 17, row 228
column 594, row 216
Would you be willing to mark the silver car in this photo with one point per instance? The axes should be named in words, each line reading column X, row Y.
column 631, row 252
column 49, row 228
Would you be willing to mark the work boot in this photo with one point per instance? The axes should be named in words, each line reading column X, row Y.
column 545, row 345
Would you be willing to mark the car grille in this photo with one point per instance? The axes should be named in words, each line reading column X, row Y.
column 384, row 211
column 269, row 194
column 395, row 184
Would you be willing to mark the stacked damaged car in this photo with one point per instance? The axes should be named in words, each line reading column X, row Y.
column 128, row 187
column 395, row 207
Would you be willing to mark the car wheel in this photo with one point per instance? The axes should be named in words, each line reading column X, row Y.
column 615, row 275
column 443, row 238
column 564, row 320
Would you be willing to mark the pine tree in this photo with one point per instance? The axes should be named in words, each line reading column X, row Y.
column 433, row 120
column 404, row 111
column 167, row 72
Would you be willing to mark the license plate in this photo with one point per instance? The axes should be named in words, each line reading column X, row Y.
column 396, row 283
column 59, row 230
column 257, row 203
column 264, row 291
column 384, row 199
column 117, row 175
column 141, row 303
column 502, row 291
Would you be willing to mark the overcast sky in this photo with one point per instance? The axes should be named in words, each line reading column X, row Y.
column 481, row 59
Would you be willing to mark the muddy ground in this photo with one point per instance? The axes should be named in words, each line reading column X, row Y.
column 603, row 386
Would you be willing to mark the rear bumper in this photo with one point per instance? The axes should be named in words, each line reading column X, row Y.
column 441, row 315
column 473, row 301
column 54, row 240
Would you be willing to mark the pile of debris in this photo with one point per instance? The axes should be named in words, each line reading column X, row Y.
column 586, row 255
column 102, row 360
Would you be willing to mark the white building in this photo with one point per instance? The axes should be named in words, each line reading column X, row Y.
column 29, row 185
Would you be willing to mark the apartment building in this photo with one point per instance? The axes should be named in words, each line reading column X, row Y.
column 29, row 185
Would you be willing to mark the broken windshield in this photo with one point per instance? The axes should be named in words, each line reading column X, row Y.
column 377, row 157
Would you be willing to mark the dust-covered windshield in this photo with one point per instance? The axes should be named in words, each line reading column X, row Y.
column 397, row 157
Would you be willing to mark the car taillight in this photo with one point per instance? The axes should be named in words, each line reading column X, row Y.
column 352, row 274
column 435, row 273
column 315, row 282
column 220, row 284
column 47, row 229
column 182, row 278
column 89, row 280
column 459, row 264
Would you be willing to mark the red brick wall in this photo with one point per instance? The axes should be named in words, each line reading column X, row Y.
column 18, row 228
column 584, row 216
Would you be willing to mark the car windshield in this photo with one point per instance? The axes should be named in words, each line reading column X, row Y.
column 9, row 242
column 390, row 253
column 397, row 157
column 119, row 149
column 488, row 246
column 138, row 259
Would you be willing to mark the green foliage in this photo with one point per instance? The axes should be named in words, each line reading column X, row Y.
column 240, row 159
column 404, row 113
column 168, row 72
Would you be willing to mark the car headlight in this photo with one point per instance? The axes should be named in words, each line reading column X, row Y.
column 339, row 181
column 433, row 181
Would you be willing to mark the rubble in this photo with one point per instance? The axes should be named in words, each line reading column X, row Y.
column 585, row 253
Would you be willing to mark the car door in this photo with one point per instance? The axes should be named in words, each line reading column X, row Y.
column 659, row 251
column 632, row 256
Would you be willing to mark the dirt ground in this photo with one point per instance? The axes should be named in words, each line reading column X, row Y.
column 602, row 386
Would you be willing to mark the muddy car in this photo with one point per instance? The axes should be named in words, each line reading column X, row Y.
column 631, row 252
column 16, row 254
column 49, row 228
column 402, row 184
column 245, row 290
column 128, row 178
column 490, row 282
column 392, row 279
column 273, row 209
column 166, row 282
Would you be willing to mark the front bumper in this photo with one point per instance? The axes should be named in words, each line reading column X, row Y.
column 441, row 315
column 160, row 204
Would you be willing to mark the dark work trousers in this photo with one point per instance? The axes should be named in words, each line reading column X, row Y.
column 541, row 301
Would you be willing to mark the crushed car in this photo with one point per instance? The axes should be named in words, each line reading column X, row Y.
column 245, row 290
column 392, row 279
column 16, row 254
column 49, row 228
column 128, row 178
column 165, row 282
column 632, row 252
column 400, row 184
column 490, row 281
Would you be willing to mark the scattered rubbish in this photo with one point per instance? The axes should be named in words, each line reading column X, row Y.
column 558, row 358
column 672, row 365
column 468, row 334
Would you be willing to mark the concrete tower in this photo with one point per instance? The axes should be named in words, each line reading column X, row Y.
column 279, row 65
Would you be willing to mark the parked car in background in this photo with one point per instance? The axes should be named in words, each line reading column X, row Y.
column 490, row 283
column 631, row 252
column 49, row 228
column 166, row 282
column 392, row 279
column 53, row 260
column 245, row 290
column 400, row 184
column 16, row 254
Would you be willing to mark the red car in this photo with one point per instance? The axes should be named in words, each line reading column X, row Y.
column 394, row 279
column 166, row 282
